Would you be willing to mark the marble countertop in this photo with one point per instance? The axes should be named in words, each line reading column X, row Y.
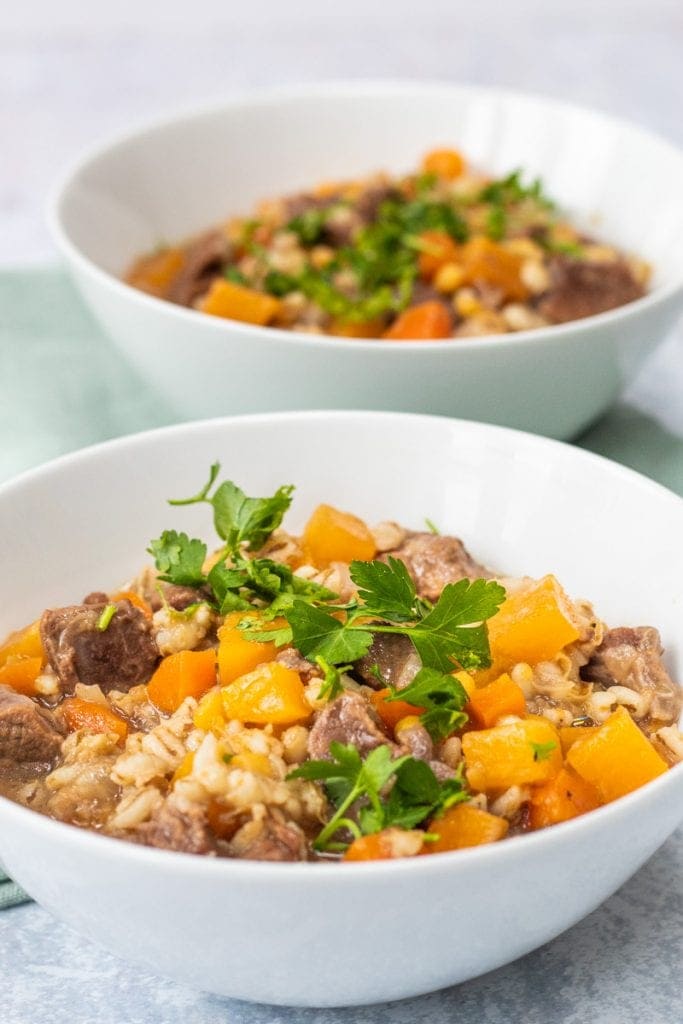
column 73, row 75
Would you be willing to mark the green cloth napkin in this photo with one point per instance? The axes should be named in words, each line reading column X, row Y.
column 66, row 386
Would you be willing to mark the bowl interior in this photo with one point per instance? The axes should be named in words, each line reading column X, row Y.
column 521, row 503
column 179, row 177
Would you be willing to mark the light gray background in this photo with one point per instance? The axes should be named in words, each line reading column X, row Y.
column 73, row 72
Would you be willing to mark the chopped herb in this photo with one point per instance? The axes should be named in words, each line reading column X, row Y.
column 179, row 559
column 309, row 225
column 108, row 613
column 235, row 275
column 280, row 284
column 331, row 686
column 496, row 223
column 542, row 751
column 442, row 697
column 432, row 527
column 511, row 189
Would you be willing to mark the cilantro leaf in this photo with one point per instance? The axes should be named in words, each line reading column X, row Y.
column 542, row 751
column 455, row 629
column 317, row 633
column 386, row 589
column 179, row 559
column 441, row 696
column 242, row 520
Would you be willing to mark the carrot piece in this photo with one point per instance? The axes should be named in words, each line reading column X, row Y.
column 565, row 796
column 24, row 643
column 135, row 599
column 428, row 321
column 156, row 273
column 92, row 717
column 571, row 734
column 530, row 626
column 236, row 654
column 445, row 163
column 514, row 754
column 271, row 694
column 462, row 826
column 386, row 845
column 617, row 758
column 334, row 536
column 391, row 712
column 489, row 703
column 437, row 249
column 181, row 675
column 20, row 672
column 235, row 302
column 487, row 261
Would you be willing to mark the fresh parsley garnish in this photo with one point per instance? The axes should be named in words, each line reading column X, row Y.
column 442, row 697
column 332, row 685
column 108, row 613
column 416, row 793
column 542, row 751
column 179, row 559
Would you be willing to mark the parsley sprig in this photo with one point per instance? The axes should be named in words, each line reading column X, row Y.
column 363, row 785
column 443, row 698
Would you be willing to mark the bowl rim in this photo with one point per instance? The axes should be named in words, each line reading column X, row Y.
column 359, row 89
column 284, row 872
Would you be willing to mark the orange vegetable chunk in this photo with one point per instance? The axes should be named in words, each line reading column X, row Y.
column 564, row 797
column 135, row 599
column 155, row 273
column 20, row 672
column 209, row 714
column 235, row 302
column 462, row 826
column 24, row 643
column 487, row 261
column 428, row 321
column 445, row 163
column 571, row 734
column 357, row 328
column 181, row 675
column 271, row 694
column 92, row 717
column 438, row 248
column 391, row 712
column 489, row 703
column 386, row 845
column 515, row 754
column 531, row 626
column 236, row 654
column 617, row 758
column 334, row 536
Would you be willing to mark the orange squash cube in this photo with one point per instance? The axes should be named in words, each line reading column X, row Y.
column 386, row 845
column 437, row 248
column 92, row 717
column 209, row 713
column 334, row 536
column 156, row 273
column 617, row 758
column 428, row 321
column 24, row 643
column 564, row 797
column 462, row 826
column 270, row 695
column 515, row 754
column 235, row 302
column 491, row 263
column 238, row 655
column 444, row 163
column 181, row 675
column 20, row 672
column 489, row 703
column 571, row 734
column 391, row 712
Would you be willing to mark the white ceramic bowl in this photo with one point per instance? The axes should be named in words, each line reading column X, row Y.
column 308, row 934
column 181, row 176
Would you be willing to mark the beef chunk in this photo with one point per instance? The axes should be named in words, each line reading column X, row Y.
column 204, row 259
column 179, row 826
column 633, row 658
column 368, row 203
column 96, row 597
column 583, row 288
column 434, row 560
column 345, row 720
column 290, row 658
column 178, row 597
column 28, row 733
column 117, row 657
column 395, row 658
column 270, row 839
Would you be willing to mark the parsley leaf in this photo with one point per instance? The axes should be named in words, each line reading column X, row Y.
column 442, row 698
column 179, row 559
column 386, row 589
column 455, row 629
column 542, row 751
column 317, row 633
column 331, row 686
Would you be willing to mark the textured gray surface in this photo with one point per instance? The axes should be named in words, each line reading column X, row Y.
column 621, row 965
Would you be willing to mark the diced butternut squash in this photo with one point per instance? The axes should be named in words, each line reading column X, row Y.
column 561, row 798
column 182, row 675
column 334, row 536
column 209, row 713
column 436, row 249
column 270, row 695
column 20, row 673
column 571, row 734
column 385, row 845
column 238, row 655
column 156, row 273
column 92, row 717
column 617, row 758
column 489, row 703
column 250, row 762
column 357, row 328
column 185, row 766
column 531, row 626
column 135, row 599
column 466, row 681
column 491, row 263
column 235, row 302
column 462, row 826
column 25, row 643
column 428, row 321
column 515, row 754
column 391, row 712
column 444, row 163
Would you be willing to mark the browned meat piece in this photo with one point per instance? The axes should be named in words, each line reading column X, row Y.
column 183, row 827
column 369, row 201
column 416, row 741
column 346, row 720
column 434, row 560
column 582, row 288
column 272, row 839
column 117, row 657
column 304, row 202
column 177, row 597
column 28, row 733
column 204, row 259
column 633, row 658
column 395, row 658
column 291, row 658
column 96, row 597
